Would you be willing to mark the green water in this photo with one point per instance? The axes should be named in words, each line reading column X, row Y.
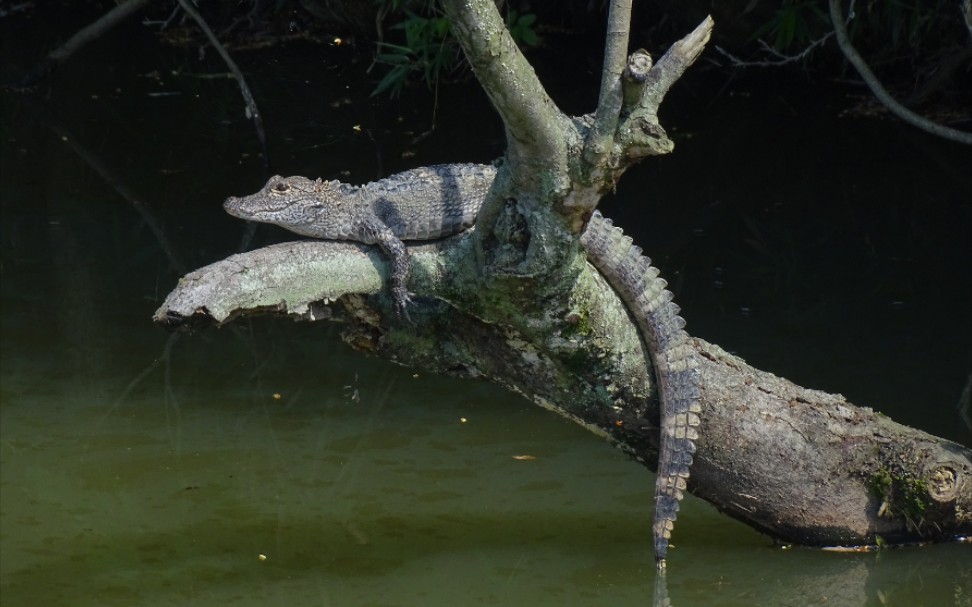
column 141, row 469
column 361, row 485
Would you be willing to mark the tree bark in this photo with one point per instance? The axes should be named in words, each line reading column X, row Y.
column 514, row 301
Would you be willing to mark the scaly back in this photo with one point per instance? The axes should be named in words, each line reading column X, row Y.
column 430, row 202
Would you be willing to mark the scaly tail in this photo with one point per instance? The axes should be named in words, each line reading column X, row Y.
column 637, row 283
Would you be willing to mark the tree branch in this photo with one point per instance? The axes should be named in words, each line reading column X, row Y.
column 535, row 128
column 290, row 278
column 638, row 133
column 673, row 64
column 601, row 135
column 966, row 9
column 843, row 40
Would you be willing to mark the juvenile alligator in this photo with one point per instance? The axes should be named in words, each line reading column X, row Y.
column 437, row 201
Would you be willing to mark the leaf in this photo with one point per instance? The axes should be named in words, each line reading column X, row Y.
column 527, row 20
column 529, row 38
column 393, row 81
column 392, row 58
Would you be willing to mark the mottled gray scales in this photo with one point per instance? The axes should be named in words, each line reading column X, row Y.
column 636, row 281
column 429, row 202
column 438, row 201
column 420, row 204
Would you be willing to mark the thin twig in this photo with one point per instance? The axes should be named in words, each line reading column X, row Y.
column 137, row 201
column 251, row 107
column 80, row 39
column 16, row 8
column 162, row 24
column 781, row 59
column 164, row 358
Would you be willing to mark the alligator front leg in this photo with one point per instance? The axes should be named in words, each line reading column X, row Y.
column 376, row 232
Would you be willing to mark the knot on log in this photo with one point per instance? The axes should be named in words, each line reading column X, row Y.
column 942, row 484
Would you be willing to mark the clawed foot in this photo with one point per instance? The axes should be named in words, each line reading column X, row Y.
column 402, row 299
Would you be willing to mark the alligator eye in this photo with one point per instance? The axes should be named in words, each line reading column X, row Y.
column 281, row 188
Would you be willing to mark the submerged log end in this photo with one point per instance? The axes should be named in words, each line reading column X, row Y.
column 811, row 468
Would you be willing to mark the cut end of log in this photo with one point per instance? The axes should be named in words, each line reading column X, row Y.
column 943, row 484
